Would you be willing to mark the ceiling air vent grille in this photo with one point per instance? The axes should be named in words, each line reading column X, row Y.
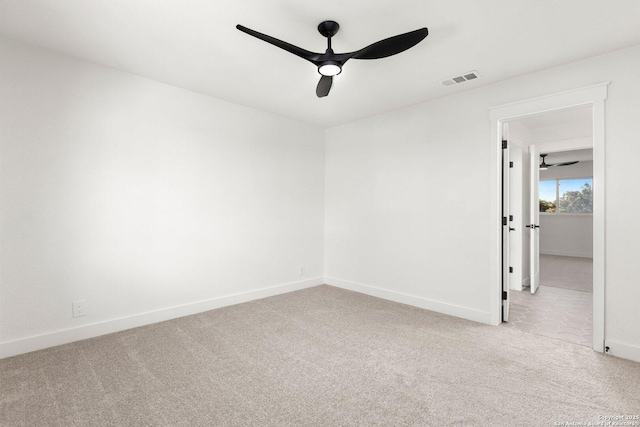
column 471, row 75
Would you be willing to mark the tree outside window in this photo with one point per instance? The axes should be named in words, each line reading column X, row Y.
column 566, row 196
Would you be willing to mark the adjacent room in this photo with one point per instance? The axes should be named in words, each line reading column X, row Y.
column 275, row 213
column 561, row 307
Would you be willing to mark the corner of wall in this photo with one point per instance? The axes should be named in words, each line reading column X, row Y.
column 412, row 300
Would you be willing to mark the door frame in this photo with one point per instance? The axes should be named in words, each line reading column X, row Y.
column 594, row 95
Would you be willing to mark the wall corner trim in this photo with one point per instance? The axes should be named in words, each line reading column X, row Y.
column 415, row 301
column 52, row 339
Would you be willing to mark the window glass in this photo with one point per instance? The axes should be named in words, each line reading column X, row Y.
column 566, row 196
column 575, row 195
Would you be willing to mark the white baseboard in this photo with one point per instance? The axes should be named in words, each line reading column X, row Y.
column 428, row 304
column 39, row 342
column 568, row 253
column 622, row 350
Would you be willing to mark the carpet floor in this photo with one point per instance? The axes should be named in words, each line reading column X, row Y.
column 567, row 272
column 558, row 313
column 317, row 357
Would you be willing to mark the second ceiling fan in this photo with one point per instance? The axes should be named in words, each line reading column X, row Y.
column 330, row 63
column 544, row 165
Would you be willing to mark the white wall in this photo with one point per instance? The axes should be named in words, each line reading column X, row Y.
column 407, row 203
column 559, row 132
column 409, row 211
column 139, row 197
column 567, row 234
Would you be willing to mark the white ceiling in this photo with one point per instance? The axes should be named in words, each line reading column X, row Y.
column 194, row 44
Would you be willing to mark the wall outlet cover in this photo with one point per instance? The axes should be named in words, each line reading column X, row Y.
column 79, row 308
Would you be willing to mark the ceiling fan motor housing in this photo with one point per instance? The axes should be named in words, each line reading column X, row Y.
column 328, row 28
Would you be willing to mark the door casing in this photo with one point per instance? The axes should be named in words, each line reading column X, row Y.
column 595, row 96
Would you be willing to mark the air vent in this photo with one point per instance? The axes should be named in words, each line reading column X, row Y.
column 471, row 75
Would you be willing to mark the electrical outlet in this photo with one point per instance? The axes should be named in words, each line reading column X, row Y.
column 302, row 270
column 79, row 308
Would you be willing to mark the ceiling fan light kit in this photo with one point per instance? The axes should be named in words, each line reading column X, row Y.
column 330, row 69
column 330, row 64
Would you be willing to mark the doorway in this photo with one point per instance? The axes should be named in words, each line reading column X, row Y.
column 593, row 98
column 561, row 307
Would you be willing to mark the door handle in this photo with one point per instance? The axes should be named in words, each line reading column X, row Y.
column 512, row 229
column 532, row 226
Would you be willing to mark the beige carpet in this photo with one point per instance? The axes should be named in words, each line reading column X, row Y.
column 318, row 357
column 567, row 272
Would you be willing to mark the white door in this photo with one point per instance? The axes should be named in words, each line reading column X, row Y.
column 534, row 221
column 516, row 214
column 505, row 226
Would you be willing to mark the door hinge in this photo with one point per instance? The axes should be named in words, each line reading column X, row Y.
column 510, row 269
column 510, row 164
column 504, row 144
column 504, row 220
column 510, row 217
column 504, row 295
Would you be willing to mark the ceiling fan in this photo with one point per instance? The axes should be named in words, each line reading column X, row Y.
column 329, row 63
column 544, row 165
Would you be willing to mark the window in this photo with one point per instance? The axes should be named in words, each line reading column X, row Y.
column 566, row 196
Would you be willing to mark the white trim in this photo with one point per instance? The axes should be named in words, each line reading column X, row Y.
column 526, row 282
column 624, row 351
column 595, row 96
column 567, row 253
column 599, row 254
column 39, row 342
column 428, row 304
column 555, row 101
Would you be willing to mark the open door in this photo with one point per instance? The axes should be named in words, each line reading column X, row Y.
column 534, row 223
column 505, row 224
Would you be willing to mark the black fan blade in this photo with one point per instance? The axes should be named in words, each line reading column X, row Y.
column 392, row 45
column 302, row 53
column 324, row 85
column 564, row 164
